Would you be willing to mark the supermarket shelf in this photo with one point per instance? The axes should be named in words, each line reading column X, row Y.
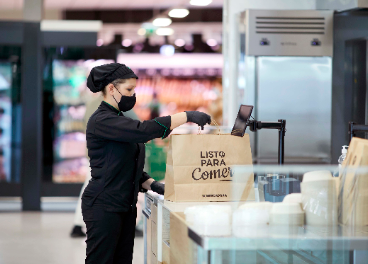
column 10, row 189
column 61, row 189
column 48, row 204
column 48, row 189
column 57, row 159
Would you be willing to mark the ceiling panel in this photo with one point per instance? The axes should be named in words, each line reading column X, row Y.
column 105, row 4
column 6, row 4
column 18, row 4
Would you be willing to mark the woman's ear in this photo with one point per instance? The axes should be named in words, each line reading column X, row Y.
column 110, row 88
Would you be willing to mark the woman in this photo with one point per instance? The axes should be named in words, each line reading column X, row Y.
column 116, row 150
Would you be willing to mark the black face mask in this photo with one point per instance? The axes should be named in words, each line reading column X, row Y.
column 126, row 102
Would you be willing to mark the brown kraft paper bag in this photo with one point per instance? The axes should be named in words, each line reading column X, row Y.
column 199, row 168
column 353, row 193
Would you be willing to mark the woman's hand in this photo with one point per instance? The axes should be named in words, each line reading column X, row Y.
column 199, row 118
column 158, row 187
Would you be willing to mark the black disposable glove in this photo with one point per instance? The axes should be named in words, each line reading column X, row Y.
column 199, row 118
column 158, row 187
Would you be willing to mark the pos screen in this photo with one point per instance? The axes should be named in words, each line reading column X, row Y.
column 241, row 121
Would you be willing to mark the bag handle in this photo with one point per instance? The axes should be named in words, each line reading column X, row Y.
column 215, row 123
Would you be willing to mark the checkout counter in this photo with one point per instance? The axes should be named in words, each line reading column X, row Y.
column 169, row 238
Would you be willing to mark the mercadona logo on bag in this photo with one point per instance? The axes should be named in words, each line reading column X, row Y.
column 210, row 163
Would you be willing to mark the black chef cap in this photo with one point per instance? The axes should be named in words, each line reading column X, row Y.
column 101, row 76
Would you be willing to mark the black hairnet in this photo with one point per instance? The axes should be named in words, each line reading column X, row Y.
column 101, row 76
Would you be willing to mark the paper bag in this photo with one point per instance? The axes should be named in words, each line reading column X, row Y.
column 353, row 193
column 200, row 168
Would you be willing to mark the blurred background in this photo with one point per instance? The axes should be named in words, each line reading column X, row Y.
column 189, row 55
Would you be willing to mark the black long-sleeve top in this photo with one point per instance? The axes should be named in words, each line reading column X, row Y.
column 117, row 154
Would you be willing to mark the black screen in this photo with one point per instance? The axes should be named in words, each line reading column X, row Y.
column 242, row 120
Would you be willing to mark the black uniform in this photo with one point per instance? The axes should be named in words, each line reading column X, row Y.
column 117, row 154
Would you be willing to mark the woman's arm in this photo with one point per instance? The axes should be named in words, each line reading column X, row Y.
column 178, row 120
column 196, row 117
column 147, row 184
column 120, row 128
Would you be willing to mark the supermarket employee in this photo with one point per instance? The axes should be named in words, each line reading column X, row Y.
column 117, row 153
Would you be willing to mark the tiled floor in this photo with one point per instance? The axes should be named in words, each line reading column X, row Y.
column 43, row 238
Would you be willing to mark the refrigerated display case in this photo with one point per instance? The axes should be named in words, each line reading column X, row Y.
column 70, row 162
column 5, row 120
column 70, row 95
column 10, row 120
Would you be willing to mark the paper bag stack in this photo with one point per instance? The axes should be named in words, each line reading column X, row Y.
column 353, row 194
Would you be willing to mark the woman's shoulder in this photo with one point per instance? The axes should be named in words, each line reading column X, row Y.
column 97, row 117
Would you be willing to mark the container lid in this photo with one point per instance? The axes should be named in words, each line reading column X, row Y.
column 287, row 208
column 293, row 198
column 317, row 176
column 344, row 149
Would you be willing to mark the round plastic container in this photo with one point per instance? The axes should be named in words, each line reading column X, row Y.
column 290, row 214
column 210, row 220
column 293, row 198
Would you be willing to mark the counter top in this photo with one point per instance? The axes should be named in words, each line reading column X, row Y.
column 275, row 237
column 285, row 238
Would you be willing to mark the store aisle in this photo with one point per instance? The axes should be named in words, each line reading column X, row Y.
column 36, row 238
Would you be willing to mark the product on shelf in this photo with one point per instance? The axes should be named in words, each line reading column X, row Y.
column 72, row 171
column 71, row 119
column 177, row 94
column 72, row 145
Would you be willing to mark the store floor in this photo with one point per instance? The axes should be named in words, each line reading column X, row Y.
column 43, row 238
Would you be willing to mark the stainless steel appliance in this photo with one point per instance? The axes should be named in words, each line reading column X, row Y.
column 285, row 71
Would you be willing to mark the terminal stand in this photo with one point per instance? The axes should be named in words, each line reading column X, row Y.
column 354, row 127
column 255, row 125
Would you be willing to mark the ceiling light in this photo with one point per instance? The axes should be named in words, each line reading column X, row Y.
column 200, row 2
column 179, row 12
column 211, row 42
column 180, row 42
column 167, row 50
column 127, row 42
column 141, row 32
column 99, row 42
column 162, row 22
column 164, row 31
